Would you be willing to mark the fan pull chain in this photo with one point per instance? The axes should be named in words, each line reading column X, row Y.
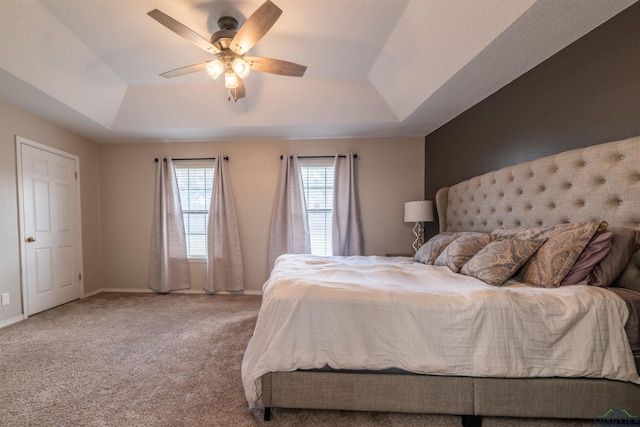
column 235, row 95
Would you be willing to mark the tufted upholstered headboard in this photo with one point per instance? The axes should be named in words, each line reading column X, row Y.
column 600, row 182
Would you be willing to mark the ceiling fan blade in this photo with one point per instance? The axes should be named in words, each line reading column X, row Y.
column 255, row 27
column 183, row 31
column 240, row 90
column 184, row 70
column 275, row 66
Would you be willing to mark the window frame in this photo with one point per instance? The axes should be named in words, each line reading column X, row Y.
column 197, row 165
column 320, row 245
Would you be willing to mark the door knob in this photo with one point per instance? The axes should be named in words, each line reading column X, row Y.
column 31, row 239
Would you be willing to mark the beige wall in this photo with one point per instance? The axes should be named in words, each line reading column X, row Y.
column 390, row 172
column 14, row 121
column 117, row 195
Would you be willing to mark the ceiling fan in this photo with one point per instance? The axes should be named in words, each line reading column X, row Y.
column 230, row 46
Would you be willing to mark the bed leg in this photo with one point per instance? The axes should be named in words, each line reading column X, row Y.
column 267, row 413
column 471, row 421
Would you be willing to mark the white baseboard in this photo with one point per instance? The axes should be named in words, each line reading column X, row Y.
column 133, row 290
column 11, row 320
column 183, row 291
column 92, row 293
column 252, row 292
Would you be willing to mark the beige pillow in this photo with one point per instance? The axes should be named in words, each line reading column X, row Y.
column 461, row 250
column 500, row 259
column 564, row 244
column 428, row 252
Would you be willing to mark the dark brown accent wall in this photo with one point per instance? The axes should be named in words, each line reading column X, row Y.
column 588, row 93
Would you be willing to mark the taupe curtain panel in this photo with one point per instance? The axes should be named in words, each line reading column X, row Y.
column 347, row 237
column 168, row 266
column 289, row 224
column 224, row 256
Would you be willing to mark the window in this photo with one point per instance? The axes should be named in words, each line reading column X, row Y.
column 317, row 180
column 195, row 183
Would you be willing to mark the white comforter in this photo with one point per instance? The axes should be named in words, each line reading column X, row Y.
column 378, row 313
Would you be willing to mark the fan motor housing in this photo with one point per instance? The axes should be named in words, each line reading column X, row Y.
column 222, row 39
column 228, row 26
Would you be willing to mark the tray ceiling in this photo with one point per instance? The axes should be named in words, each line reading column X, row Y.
column 376, row 68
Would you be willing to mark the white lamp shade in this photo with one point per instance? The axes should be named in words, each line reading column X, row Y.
column 230, row 80
column 418, row 211
column 241, row 68
column 214, row 68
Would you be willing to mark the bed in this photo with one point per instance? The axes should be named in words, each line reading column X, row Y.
column 454, row 344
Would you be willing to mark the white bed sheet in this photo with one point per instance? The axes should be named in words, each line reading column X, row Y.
column 376, row 313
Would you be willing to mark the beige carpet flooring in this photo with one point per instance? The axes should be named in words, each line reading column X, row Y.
column 123, row 359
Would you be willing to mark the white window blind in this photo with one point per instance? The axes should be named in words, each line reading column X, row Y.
column 317, row 180
column 195, row 184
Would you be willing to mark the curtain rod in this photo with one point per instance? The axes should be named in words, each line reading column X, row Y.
column 355, row 156
column 194, row 158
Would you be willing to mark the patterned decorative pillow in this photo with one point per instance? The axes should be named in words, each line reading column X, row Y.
column 564, row 244
column 521, row 233
column 461, row 250
column 428, row 252
column 500, row 259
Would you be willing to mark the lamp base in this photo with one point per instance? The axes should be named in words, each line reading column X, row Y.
column 418, row 231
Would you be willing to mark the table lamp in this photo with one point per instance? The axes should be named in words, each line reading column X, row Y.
column 419, row 211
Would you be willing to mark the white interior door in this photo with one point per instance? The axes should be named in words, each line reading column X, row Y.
column 52, row 269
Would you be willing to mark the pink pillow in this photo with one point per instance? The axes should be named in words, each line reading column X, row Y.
column 611, row 266
column 597, row 248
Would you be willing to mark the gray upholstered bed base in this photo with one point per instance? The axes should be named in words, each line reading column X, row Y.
column 594, row 183
column 530, row 397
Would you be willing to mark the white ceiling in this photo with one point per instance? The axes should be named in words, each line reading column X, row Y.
column 375, row 67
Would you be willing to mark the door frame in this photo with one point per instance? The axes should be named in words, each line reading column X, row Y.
column 21, row 231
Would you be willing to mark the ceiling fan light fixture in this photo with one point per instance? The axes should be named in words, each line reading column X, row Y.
column 241, row 68
column 229, row 45
column 215, row 68
column 230, row 80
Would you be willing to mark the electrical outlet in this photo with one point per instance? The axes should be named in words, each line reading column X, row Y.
column 6, row 299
